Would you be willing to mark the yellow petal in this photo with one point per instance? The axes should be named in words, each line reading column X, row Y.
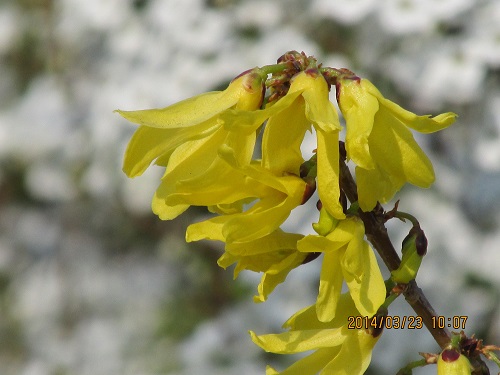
column 276, row 241
column 395, row 150
column 210, row 229
column 319, row 110
column 276, row 274
column 185, row 113
column 328, row 172
column 190, row 158
column 299, row 341
column 375, row 185
column 330, row 287
column 355, row 355
column 245, row 91
column 422, row 124
column 163, row 210
column 282, row 138
column 344, row 232
column 249, row 121
column 367, row 287
column 147, row 144
column 359, row 110
column 314, row 244
column 260, row 220
column 398, row 160
column 307, row 318
column 309, row 365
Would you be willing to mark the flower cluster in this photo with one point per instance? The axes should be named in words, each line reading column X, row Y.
column 207, row 145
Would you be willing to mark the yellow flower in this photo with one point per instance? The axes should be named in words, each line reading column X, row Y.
column 307, row 102
column 339, row 350
column 275, row 255
column 451, row 362
column 347, row 256
column 185, row 138
column 276, row 197
column 379, row 142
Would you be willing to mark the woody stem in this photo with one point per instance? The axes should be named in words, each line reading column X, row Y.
column 376, row 233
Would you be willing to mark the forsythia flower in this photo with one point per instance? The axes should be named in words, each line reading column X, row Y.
column 185, row 138
column 306, row 102
column 379, row 142
column 347, row 256
column 338, row 349
column 275, row 255
column 277, row 197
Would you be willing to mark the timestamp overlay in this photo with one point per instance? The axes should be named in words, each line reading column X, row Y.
column 405, row 321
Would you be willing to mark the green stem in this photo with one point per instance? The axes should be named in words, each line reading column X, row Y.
column 406, row 216
column 410, row 366
column 392, row 297
column 493, row 357
column 271, row 69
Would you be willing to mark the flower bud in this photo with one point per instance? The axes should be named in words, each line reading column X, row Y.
column 414, row 248
column 451, row 362
column 326, row 223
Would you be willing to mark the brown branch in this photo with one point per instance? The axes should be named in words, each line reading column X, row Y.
column 376, row 233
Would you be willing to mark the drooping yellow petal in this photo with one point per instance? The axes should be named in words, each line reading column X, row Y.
column 348, row 352
column 276, row 274
column 190, row 158
column 344, row 231
column 185, row 113
column 307, row 318
column 394, row 148
column 328, row 172
column 314, row 244
column 309, row 365
column 276, row 241
column 226, row 260
column 360, row 111
column 206, row 230
column 247, row 121
column 219, row 184
column 319, row 110
column 282, row 138
column 330, row 286
column 366, row 287
column 375, row 185
column 148, row 144
column 423, row 124
column 331, row 279
column 379, row 141
column 244, row 91
column 299, row 341
column 263, row 218
column 354, row 356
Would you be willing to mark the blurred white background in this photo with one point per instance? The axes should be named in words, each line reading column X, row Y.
column 92, row 283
